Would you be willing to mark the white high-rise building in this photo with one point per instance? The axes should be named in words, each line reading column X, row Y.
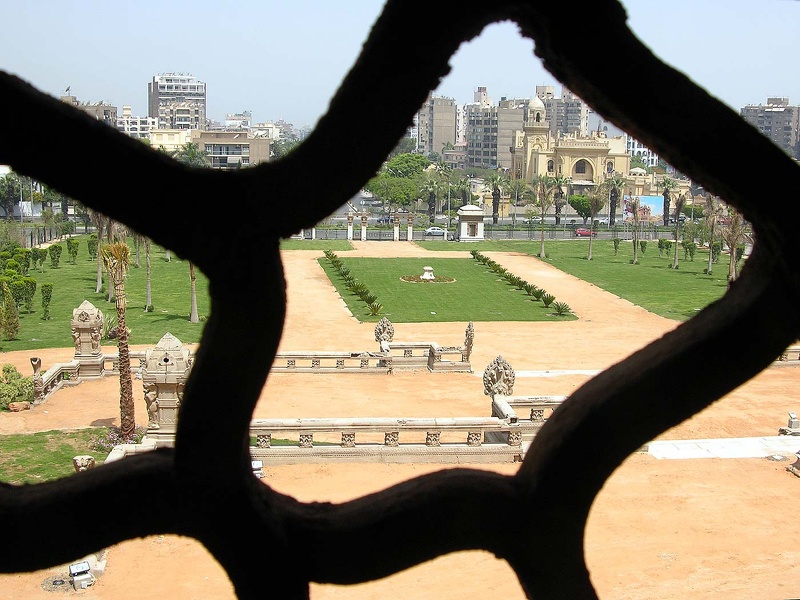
column 177, row 100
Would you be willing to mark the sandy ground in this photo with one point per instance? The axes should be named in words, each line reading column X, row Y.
column 659, row 529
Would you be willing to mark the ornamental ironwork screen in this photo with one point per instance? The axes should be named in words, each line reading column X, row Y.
column 420, row 515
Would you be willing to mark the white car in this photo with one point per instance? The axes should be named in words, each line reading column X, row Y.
column 434, row 231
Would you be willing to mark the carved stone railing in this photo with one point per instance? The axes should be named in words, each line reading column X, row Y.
column 332, row 362
column 433, row 440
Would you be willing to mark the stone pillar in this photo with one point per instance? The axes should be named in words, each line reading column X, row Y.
column 38, row 381
column 363, row 227
column 87, row 327
column 350, row 226
column 410, row 224
column 396, row 227
column 164, row 376
column 313, row 233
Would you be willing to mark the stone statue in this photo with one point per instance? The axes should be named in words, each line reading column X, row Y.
column 76, row 339
column 498, row 378
column 150, row 397
column 469, row 339
column 384, row 330
column 96, row 339
column 82, row 463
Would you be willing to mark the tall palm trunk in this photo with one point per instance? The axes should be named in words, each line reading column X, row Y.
column 710, row 248
column 148, row 300
column 117, row 260
column 193, row 318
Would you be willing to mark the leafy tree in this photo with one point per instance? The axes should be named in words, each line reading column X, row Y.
column 669, row 186
column 638, row 162
column 10, row 317
column 116, row 258
column 10, row 189
column 280, row 148
column 47, row 297
column 54, row 251
column 580, row 203
column 72, row 250
column 406, row 165
column 404, row 146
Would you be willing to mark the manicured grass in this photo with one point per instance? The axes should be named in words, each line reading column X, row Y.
column 74, row 283
column 652, row 283
column 478, row 294
column 319, row 245
column 44, row 456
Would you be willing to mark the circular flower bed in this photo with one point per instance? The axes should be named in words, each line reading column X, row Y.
column 419, row 279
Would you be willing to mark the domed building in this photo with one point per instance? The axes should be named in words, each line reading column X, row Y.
column 586, row 160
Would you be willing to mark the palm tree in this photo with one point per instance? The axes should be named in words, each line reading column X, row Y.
column 597, row 200
column 561, row 182
column 116, row 258
column 733, row 234
column 461, row 190
column 148, row 301
column 616, row 185
column 430, row 186
column 711, row 215
column 546, row 187
column 192, row 156
column 519, row 190
column 679, row 204
column 668, row 184
column 633, row 207
column 496, row 183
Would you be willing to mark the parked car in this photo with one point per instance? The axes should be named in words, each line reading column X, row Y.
column 532, row 220
column 434, row 231
column 584, row 232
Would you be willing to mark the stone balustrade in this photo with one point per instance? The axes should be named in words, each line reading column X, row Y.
column 332, row 362
column 437, row 440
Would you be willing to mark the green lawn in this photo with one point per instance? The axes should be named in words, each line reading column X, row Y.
column 651, row 284
column 74, row 283
column 477, row 294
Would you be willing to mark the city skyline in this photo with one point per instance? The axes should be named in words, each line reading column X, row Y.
column 255, row 56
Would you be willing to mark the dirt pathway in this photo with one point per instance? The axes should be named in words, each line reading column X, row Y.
column 659, row 529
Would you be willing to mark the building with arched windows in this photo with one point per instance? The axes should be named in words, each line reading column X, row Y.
column 586, row 159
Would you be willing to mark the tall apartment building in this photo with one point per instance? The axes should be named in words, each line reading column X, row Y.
column 177, row 100
column 437, row 124
column 489, row 130
column 778, row 121
column 136, row 127
column 567, row 114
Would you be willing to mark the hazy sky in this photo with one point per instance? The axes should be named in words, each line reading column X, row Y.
column 284, row 60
